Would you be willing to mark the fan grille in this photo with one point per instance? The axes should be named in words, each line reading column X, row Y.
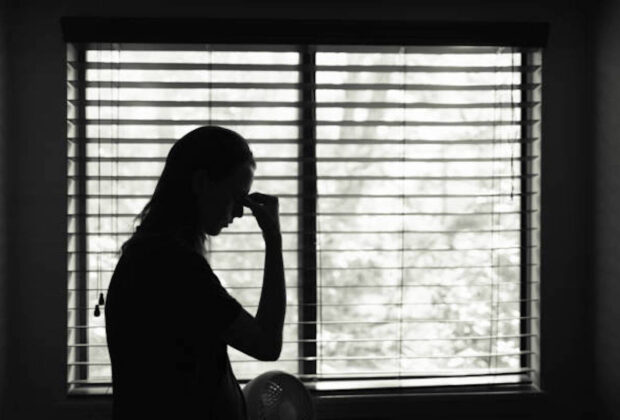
column 278, row 396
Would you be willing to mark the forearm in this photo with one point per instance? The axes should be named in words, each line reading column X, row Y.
column 272, row 304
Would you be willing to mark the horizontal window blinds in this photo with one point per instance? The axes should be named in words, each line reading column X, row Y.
column 408, row 182
column 420, row 229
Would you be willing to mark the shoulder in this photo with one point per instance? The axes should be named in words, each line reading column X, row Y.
column 156, row 244
column 162, row 254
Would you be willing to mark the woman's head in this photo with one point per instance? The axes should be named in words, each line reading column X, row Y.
column 206, row 175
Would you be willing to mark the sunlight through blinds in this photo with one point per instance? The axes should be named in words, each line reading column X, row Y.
column 408, row 180
column 427, row 177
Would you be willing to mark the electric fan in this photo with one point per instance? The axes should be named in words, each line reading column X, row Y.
column 277, row 395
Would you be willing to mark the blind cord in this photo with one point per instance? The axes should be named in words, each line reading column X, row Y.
column 99, row 67
column 207, row 241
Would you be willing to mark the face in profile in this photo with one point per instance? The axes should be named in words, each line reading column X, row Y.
column 220, row 201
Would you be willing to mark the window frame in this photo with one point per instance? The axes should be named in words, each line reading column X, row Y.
column 78, row 30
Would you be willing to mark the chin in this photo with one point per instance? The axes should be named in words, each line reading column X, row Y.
column 215, row 231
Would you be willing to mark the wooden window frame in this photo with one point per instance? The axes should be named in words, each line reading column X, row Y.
column 332, row 404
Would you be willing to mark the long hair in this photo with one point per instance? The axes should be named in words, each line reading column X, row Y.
column 173, row 208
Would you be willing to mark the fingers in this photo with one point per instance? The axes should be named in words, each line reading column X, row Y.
column 257, row 198
column 265, row 208
column 247, row 202
column 262, row 198
column 252, row 205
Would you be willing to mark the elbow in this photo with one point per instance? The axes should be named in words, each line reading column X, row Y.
column 272, row 352
column 270, row 357
column 275, row 354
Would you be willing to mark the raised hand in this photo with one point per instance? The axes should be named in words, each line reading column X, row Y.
column 265, row 209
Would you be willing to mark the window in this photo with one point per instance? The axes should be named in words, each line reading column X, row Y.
column 408, row 177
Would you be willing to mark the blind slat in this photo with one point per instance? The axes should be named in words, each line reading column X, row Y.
column 489, row 266
column 348, row 232
column 379, row 340
column 339, row 196
column 383, row 322
column 331, row 178
column 445, row 142
column 318, row 86
column 73, row 215
column 327, row 359
column 296, row 123
column 234, row 251
column 122, row 159
column 355, row 305
column 256, row 104
column 206, row 66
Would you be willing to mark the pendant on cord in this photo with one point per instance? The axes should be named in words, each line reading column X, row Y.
column 101, row 302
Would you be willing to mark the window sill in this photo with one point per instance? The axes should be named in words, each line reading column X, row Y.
column 515, row 401
column 447, row 402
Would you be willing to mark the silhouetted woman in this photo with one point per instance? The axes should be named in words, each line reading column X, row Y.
column 168, row 318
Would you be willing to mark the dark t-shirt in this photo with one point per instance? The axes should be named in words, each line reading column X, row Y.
column 165, row 313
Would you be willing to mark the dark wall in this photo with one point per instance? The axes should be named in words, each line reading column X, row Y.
column 3, row 199
column 606, row 77
column 38, row 167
